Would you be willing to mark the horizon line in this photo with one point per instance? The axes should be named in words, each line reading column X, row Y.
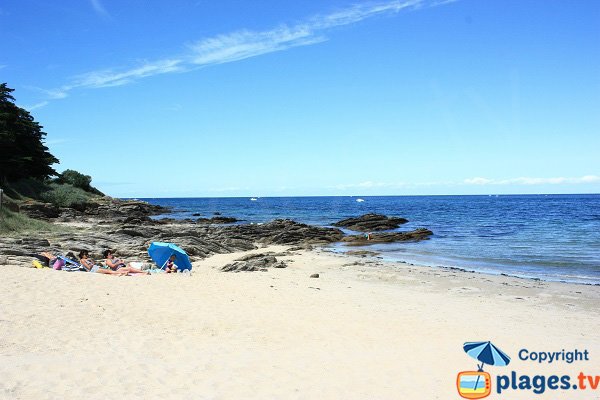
column 361, row 196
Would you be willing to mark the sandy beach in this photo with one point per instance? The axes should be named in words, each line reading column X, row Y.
column 377, row 331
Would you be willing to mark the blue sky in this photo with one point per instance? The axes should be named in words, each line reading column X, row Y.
column 283, row 98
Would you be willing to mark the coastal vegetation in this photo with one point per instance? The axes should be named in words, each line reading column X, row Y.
column 27, row 171
column 14, row 222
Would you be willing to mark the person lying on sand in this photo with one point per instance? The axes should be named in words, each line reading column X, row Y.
column 53, row 261
column 47, row 258
column 117, row 264
column 91, row 266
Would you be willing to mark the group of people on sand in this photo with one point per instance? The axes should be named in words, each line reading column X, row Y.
column 112, row 264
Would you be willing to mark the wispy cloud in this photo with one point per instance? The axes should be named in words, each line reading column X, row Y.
column 37, row 105
column 99, row 8
column 533, row 181
column 476, row 181
column 239, row 45
column 3, row 66
column 107, row 78
column 368, row 185
column 55, row 142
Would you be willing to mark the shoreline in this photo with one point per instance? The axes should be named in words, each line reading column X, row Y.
column 391, row 260
column 360, row 330
column 523, row 240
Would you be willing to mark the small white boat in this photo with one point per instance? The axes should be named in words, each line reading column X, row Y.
column 253, row 199
column 359, row 200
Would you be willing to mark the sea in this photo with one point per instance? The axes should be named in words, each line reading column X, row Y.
column 546, row 237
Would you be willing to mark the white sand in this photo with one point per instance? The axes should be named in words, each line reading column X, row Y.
column 357, row 332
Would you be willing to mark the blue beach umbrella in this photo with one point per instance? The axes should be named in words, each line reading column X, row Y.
column 487, row 353
column 160, row 252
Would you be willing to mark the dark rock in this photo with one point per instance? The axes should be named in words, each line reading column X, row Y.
column 388, row 237
column 216, row 220
column 284, row 231
column 299, row 248
column 216, row 213
column 36, row 209
column 39, row 242
column 196, row 214
column 254, row 262
column 130, row 232
column 362, row 253
column 314, row 276
column 108, row 207
column 371, row 223
column 67, row 214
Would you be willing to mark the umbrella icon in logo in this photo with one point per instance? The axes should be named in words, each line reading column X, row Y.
column 477, row 385
column 487, row 353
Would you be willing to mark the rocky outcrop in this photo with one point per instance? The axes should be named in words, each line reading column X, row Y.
column 129, row 232
column 285, row 231
column 387, row 237
column 254, row 262
column 371, row 223
column 39, row 210
column 217, row 220
column 120, row 210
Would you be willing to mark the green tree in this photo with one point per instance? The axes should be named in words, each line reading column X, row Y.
column 22, row 150
column 76, row 179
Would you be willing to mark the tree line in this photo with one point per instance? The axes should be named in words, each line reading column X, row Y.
column 23, row 154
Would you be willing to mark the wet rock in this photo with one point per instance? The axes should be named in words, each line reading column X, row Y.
column 216, row 220
column 371, row 223
column 388, row 237
column 362, row 253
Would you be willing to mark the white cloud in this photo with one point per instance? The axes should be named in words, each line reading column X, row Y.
column 369, row 185
column 55, row 142
column 224, row 189
column 37, row 105
column 533, row 181
column 477, row 181
column 245, row 44
column 238, row 45
column 108, row 78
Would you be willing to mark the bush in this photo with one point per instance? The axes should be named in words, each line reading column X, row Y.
column 66, row 195
column 78, row 180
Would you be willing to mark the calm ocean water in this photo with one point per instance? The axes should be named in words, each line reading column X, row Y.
column 551, row 237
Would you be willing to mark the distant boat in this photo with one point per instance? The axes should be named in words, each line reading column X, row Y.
column 359, row 200
column 253, row 199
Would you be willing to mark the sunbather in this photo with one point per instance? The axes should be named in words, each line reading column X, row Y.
column 91, row 266
column 117, row 264
column 57, row 262
column 47, row 258
column 170, row 266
